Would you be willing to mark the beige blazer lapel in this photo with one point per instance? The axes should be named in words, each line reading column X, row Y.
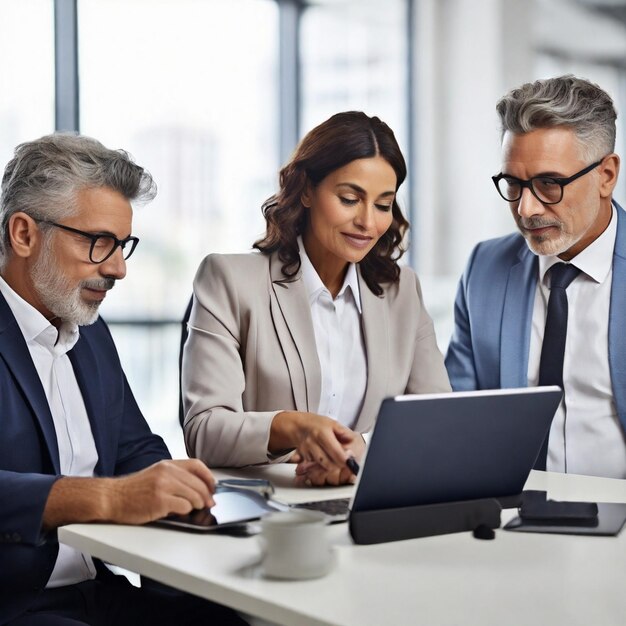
column 291, row 314
column 375, row 318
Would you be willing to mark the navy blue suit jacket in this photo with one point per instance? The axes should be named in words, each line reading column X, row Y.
column 29, row 455
column 493, row 316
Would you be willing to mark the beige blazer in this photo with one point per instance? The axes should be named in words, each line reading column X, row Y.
column 251, row 353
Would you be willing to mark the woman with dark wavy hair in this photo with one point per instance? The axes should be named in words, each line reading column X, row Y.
column 292, row 348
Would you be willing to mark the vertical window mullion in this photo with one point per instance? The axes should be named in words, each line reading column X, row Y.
column 412, row 155
column 290, row 12
column 66, row 110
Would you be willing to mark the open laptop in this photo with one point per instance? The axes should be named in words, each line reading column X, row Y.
column 424, row 449
column 433, row 448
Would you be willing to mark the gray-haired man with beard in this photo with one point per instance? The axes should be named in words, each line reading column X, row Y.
column 74, row 446
column 547, row 306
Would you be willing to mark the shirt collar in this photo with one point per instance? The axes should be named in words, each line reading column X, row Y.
column 35, row 327
column 595, row 260
column 314, row 285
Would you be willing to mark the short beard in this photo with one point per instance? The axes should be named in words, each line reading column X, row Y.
column 546, row 246
column 57, row 293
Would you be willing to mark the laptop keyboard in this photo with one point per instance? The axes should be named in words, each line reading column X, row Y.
column 336, row 506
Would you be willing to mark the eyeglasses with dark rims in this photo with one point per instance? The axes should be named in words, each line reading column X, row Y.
column 102, row 245
column 547, row 189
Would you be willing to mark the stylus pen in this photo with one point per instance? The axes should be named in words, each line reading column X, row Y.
column 353, row 466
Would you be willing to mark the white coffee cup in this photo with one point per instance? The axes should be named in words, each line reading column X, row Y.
column 295, row 545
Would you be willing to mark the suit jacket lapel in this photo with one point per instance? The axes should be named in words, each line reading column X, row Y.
column 519, row 300
column 291, row 313
column 375, row 323
column 617, row 318
column 88, row 377
column 14, row 351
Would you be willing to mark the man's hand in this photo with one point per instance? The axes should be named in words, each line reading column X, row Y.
column 159, row 490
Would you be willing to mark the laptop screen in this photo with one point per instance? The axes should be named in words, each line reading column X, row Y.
column 433, row 448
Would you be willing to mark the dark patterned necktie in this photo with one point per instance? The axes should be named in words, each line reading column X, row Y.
column 553, row 347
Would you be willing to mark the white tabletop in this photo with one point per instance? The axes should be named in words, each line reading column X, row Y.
column 518, row 579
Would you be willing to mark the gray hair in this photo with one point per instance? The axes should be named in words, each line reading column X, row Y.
column 563, row 101
column 44, row 177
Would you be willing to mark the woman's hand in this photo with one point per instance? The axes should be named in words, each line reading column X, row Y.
column 312, row 474
column 322, row 447
column 320, row 442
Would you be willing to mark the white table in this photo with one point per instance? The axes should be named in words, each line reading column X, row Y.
column 518, row 579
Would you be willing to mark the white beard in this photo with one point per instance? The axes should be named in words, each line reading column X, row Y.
column 59, row 296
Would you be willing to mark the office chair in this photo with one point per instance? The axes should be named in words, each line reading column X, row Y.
column 183, row 337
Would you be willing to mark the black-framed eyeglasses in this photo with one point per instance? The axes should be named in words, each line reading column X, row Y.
column 102, row 246
column 547, row 189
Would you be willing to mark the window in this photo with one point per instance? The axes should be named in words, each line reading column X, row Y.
column 354, row 57
column 26, row 72
column 190, row 89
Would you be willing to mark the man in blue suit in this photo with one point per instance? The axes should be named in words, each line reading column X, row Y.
column 74, row 446
column 558, row 173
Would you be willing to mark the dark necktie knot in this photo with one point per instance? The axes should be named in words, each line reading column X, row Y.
column 562, row 274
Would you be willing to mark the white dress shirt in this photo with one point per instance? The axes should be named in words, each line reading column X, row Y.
column 586, row 436
column 339, row 342
column 77, row 450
